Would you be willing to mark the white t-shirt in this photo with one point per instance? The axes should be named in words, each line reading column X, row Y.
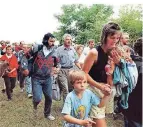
column 84, row 54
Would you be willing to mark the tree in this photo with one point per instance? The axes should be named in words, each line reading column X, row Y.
column 83, row 22
column 130, row 19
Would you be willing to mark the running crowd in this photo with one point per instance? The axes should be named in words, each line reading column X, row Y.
column 94, row 81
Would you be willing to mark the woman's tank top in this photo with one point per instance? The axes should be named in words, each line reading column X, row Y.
column 97, row 72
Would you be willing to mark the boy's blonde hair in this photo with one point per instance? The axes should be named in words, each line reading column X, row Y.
column 75, row 75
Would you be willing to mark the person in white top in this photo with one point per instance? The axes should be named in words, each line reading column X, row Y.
column 91, row 44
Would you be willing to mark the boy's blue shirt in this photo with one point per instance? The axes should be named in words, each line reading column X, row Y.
column 79, row 108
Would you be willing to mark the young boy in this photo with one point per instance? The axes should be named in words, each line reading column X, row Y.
column 78, row 102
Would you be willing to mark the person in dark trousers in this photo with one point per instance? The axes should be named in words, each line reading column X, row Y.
column 11, row 72
column 68, row 60
column 41, row 74
column 133, row 115
column 23, row 57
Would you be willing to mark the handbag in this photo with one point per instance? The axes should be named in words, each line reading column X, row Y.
column 3, row 67
column 55, row 90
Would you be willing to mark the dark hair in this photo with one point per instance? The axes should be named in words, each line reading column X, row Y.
column 138, row 46
column 46, row 38
column 8, row 46
column 110, row 28
column 21, row 42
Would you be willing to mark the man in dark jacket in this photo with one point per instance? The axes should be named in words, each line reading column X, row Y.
column 133, row 115
column 41, row 73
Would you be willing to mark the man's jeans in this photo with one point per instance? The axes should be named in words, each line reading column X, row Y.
column 27, row 81
column 45, row 86
column 131, row 123
column 28, row 85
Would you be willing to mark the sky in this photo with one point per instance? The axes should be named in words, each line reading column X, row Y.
column 29, row 20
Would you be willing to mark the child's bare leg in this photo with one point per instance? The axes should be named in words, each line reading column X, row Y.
column 99, row 123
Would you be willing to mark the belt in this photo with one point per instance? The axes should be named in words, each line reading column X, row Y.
column 67, row 67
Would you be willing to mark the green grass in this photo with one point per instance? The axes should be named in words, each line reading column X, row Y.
column 19, row 112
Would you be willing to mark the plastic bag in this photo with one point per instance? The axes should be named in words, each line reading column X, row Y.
column 55, row 90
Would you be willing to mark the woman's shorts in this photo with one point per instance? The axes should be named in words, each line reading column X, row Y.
column 99, row 113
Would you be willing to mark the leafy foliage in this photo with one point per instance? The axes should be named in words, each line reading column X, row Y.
column 130, row 19
column 83, row 22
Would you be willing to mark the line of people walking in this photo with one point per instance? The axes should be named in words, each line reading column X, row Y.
column 89, row 78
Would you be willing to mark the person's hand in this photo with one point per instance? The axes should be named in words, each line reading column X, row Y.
column 8, row 72
column 87, row 122
column 115, row 56
column 106, row 89
column 111, row 63
column 109, row 68
column 26, row 72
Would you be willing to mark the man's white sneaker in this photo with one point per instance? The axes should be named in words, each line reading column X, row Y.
column 22, row 90
column 50, row 117
column 30, row 95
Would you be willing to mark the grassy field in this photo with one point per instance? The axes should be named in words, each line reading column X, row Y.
column 19, row 112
